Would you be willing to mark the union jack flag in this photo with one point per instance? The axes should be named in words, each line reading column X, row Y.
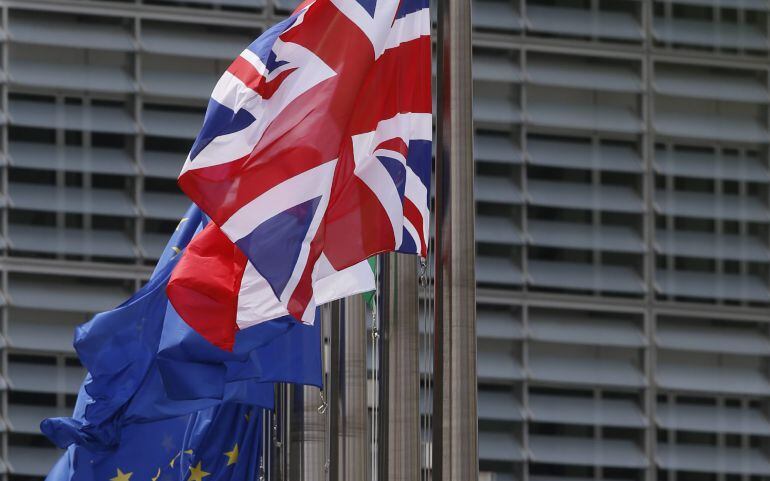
column 315, row 154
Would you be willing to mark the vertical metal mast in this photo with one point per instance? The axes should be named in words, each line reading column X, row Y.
column 399, row 427
column 307, row 429
column 348, row 410
column 308, row 433
column 455, row 425
column 279, row 432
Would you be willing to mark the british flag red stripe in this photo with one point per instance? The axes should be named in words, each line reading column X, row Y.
column 315, row 154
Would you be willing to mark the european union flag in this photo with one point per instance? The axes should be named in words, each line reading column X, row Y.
column 219, row 443
column 273, row 351
column 222, row 441
column 127, row 412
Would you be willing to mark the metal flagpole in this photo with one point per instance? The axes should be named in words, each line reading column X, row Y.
column 278, row 433
column 399, row 441
column 455, row 425
column 307, row 430
column 348, row 409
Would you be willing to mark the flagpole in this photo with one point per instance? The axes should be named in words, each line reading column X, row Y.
column 455, row 421
column 280, row 436
column 307, row 429
column 307, row 432
column 348, row 409
column 399, row 441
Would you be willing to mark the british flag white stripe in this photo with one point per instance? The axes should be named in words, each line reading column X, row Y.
column 371, row 26
column 407, row 126
column 311, row 71
column 417, row 193
column 229, row 91
column 255, row 61
column 257, row 303
column 410, row 27
column 347, row 282
column 256, row 300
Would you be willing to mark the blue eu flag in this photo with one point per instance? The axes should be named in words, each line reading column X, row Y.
column 219, row 443
column 136, row 408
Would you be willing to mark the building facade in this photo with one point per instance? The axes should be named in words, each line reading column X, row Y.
column 623, row 219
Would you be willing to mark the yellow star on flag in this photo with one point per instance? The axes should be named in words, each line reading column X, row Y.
column 232, row 456
column 121, row 476
column 189, row 451
column 197, row 473
column 155, row 478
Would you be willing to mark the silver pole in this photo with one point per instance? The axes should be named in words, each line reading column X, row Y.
column 280, row 434
column 308, row 433
column 349, row 440
column 307, row 430
column 399, row 442
column 455, row 431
